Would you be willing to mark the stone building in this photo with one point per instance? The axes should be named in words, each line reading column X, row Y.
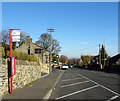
column 34, row 49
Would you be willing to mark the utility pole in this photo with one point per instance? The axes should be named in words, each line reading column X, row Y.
column 104, row 52
column 50, row 30
column 99, row 56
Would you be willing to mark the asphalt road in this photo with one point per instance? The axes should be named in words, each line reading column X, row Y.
column 78, row 83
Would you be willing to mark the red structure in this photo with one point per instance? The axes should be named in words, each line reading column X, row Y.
column 11, row 59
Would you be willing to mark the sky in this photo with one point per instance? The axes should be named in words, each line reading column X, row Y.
column 79, row 26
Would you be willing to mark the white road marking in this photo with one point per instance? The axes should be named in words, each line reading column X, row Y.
column 114, row 97
column 47, row 96
column 77, row 92
column 44, row 75
column 101, row 85
column 72, row 79
column 74, row 84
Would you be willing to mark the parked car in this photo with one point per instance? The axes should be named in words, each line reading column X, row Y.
column 55, row 65
column 70, row 66
column 64, row 66
column 59, row 65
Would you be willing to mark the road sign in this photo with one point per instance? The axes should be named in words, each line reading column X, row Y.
column 15, row 32
column 15, row 36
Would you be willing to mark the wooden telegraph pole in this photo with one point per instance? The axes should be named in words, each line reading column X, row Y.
column 50, row 30
column 99, row 56
column 104, row 52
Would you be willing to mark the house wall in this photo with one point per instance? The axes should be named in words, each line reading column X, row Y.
column 24, row 48
column 41, row 56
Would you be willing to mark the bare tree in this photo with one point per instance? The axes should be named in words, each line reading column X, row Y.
column 55, row 47
column 23, row 36
column 45, row 40
column 5, row 40
column 45, row 43
column 5, row 36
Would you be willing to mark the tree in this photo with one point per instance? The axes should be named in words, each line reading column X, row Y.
column 23, row 37
column 5, row 41
column 45, row 40
column 45, row 43
column 54, row 58
column 103, row 51
column 63, row 59
column 5, row 36
column 86, row 59
column 13, row 45
column 55, row 47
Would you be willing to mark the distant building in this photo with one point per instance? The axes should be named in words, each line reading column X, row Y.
column 94, row 59
column 115, row 60
column 34, row 49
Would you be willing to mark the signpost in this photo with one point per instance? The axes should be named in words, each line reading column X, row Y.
column 14, row 37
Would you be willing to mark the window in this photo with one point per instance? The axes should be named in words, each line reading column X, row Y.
column 37, row 51
column 29, row 49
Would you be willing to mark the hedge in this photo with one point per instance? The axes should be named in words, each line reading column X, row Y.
column 22, row 56
column 3, row 51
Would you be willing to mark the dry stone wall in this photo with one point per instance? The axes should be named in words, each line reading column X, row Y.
column 26, row 72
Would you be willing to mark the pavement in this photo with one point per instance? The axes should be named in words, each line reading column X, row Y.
column 39, row 89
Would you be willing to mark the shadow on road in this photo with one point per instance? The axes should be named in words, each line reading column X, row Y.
column 97, row 68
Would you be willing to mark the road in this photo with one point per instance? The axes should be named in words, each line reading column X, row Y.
column 78, row 83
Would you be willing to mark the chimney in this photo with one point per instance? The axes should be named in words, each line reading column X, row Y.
column 37, row 43
column 28, row 40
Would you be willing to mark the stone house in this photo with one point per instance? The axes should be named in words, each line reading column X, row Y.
column 34, row 49
column 94, row 59
column 115, row 60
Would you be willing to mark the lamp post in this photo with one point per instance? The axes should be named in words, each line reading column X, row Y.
column 50, row 30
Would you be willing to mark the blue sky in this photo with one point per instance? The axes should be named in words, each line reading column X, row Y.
column 79, row 26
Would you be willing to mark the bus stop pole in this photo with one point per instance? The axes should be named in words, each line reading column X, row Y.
column 11, row 61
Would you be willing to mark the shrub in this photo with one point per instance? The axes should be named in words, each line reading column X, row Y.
column 16, row 54
column 26, row 57
column 34, row 58
column 21, row 56
column 3, row 51
column 8, row 53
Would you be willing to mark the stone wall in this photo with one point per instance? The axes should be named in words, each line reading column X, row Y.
column 26, row 72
